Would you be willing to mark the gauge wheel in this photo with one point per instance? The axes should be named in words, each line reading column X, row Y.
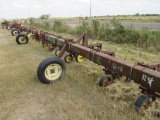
column 15, row 32
column 9, row 27
column 51, row 69
column 79, row 58
column 51, row 47
column 105, row 81
column 142, row 103
column 45, row 44
column 22, row 39
column 68, row 58
column 57, row 52
column 3, row 26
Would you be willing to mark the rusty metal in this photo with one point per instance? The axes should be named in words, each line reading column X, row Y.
column 36, row 35
column 5, row 22
column 153, row 66
column 140, row 73
column 143, row 74
column 11, row 24
column 96, row 45
column 16, row 25
column 147, row 75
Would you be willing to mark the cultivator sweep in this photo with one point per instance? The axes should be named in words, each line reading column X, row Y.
column 53, row 68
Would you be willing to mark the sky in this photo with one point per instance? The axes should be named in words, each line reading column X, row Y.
column 10, row 9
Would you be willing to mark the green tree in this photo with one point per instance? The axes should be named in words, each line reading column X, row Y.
column 45, row 16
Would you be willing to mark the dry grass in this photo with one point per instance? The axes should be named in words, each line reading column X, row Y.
column 76, row 97
column 131, row 18
column 121, row 18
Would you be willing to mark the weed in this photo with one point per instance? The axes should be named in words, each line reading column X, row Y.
column 143, row 38
column 60, row 26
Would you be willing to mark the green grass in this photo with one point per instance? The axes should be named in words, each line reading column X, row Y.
column 143, row 38
column 77, row 96
column 129, row 18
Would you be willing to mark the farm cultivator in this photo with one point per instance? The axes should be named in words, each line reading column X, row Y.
column 10, row 25
column 53, row 68
column 15, row 27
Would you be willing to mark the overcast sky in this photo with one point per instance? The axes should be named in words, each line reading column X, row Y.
column 76, row 8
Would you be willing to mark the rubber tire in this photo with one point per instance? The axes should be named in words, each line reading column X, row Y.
column 3, row 26
column 101, row 81
column 139, row 102
column 17, row 39
column 45, row 63
column 12, row 32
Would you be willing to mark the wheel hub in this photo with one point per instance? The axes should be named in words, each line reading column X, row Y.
column 80, row 58
column 105, row 83
column 22, row 39
column 53, row 71
column 69, row 58
column 15, row 32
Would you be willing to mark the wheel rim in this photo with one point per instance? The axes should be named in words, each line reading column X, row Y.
column 22, row 39
column 57, row 52
column 4, row 26
column 50, row 47
column 9, row 27
column 145, row 104
column 45, row 44
column 105, row 82
column 15, row 32
column 80, row 58
column 68, row 59
column 53, row 72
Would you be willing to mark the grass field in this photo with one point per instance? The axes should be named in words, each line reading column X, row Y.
column 77, row 96
column 120, row 18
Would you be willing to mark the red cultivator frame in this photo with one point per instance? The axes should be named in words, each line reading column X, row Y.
column 10, row 25
column 15, row 27
column 53, row 68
